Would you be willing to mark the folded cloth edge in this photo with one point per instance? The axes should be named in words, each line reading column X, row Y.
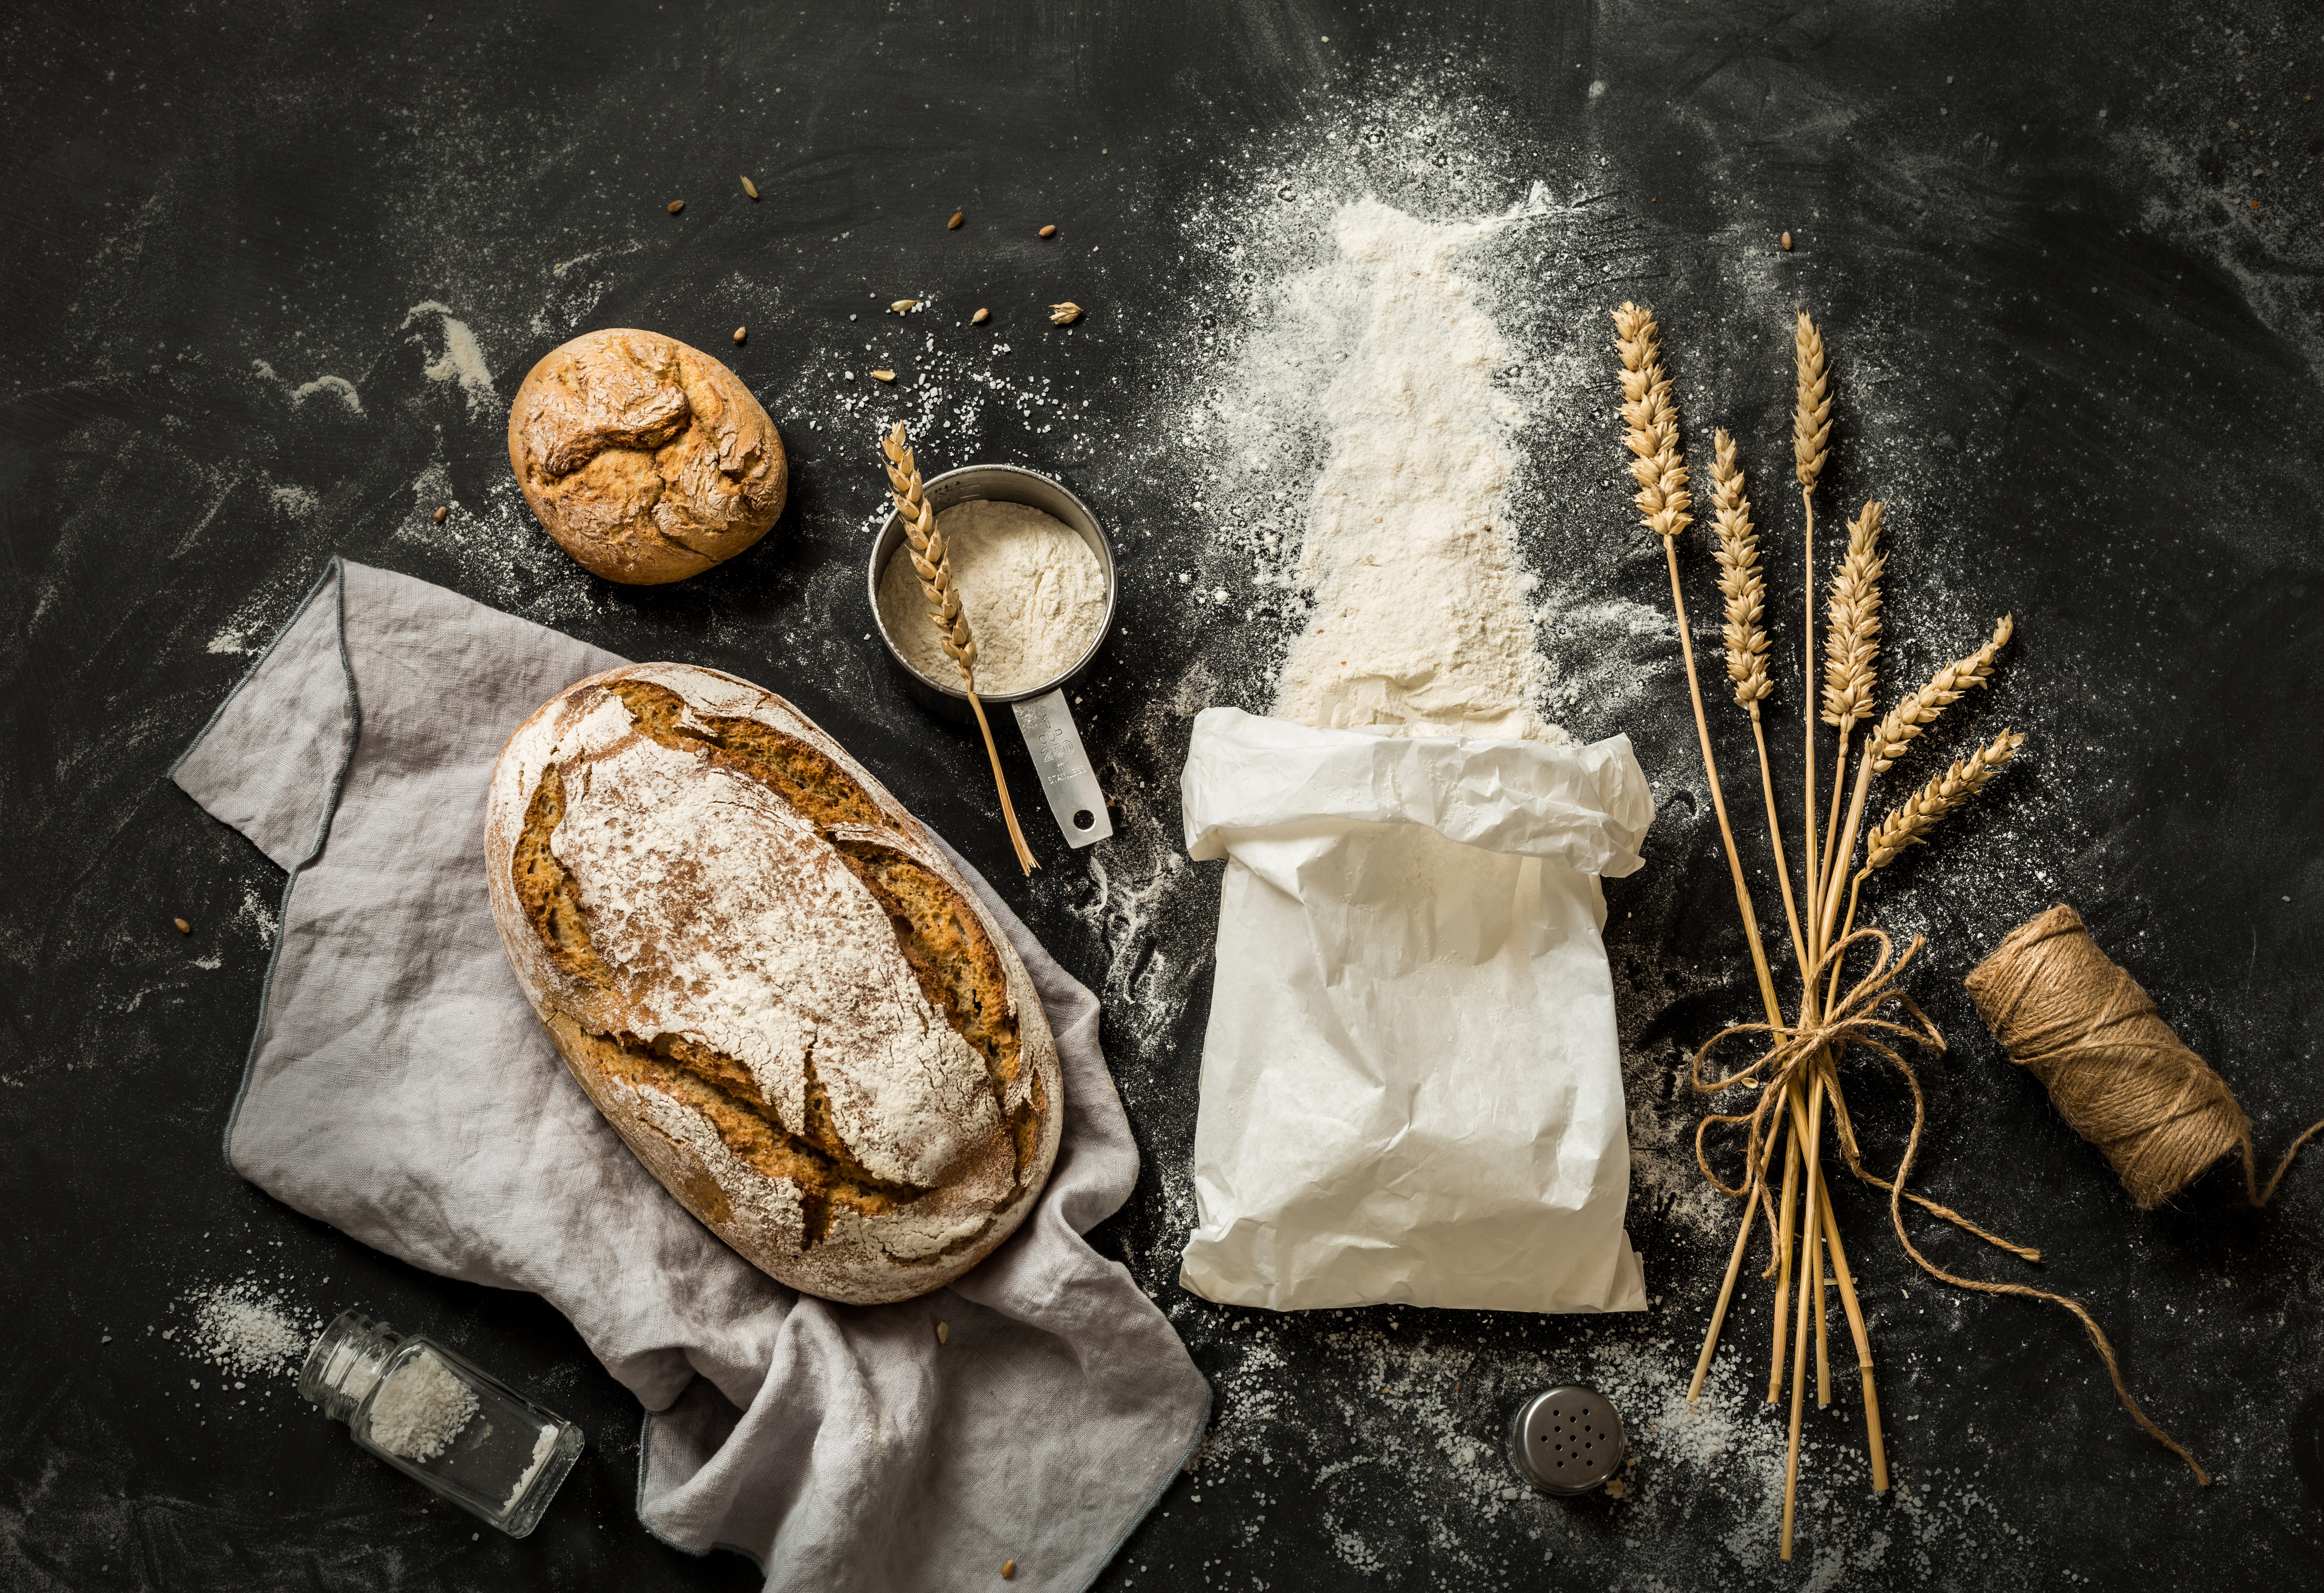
column 334, row 576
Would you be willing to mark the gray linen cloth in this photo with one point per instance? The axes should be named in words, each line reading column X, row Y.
column 399, row 1088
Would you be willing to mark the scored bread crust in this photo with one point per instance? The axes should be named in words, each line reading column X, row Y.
column 649, row 461
column 770, row 981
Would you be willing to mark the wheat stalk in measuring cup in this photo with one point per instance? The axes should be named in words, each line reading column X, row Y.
column 932, row 562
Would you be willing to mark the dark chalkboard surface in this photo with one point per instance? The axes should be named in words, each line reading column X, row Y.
column 272, row 271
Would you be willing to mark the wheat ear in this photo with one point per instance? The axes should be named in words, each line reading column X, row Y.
column 1948, row 685
column 1811, row 446
column 932, row 562
column 1747, row 638
column 1909, row 823
column 1904, row 724
column 1811, row 418
column 1650, row 414
column 1851, row 651
column 1739, row 577
column 1852, row 624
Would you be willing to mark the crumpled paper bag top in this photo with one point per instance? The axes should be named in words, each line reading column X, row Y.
column 1411, row 1085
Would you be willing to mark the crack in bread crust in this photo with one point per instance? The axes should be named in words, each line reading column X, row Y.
column 547, row 891
column 827, row 1185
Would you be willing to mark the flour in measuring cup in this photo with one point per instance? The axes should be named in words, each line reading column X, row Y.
column 1031, row 588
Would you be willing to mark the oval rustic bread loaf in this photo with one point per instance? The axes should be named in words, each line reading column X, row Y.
column 770, row 981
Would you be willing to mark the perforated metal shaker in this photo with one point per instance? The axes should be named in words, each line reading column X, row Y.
column 1044, row 717
column 1567, row 1440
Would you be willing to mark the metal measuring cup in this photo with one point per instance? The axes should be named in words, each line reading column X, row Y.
column 1043, row 717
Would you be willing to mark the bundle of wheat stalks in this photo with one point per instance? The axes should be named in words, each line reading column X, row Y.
column 1798, row 1077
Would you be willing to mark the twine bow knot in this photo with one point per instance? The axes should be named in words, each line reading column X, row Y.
column 1854, row 1019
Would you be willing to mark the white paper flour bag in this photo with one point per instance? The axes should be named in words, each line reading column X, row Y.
column 1411, row 1089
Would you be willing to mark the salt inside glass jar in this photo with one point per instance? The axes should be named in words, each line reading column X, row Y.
column 437, row 1417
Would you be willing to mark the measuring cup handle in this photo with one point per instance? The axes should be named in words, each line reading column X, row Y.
column 1073, row 794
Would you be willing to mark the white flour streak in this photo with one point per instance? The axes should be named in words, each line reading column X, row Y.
column 295, row 501
column 338, row 387
column 1419, row 618
column 463, row 357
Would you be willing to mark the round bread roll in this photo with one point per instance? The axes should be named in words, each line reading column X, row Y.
column 647, row 460
column 772, row 981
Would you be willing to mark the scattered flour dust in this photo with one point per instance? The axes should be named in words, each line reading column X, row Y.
column 1419, row 618
column 421, row 1408
column 296, row 501
column 338, row 387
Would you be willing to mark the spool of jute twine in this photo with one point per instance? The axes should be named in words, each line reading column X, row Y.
column 2075, row 1019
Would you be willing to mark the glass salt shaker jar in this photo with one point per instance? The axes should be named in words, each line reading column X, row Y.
column 434, row 1415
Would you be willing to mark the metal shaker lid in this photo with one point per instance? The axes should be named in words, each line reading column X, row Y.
column 1567, row 1440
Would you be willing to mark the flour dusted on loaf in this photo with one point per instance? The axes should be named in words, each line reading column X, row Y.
column 770, row 981
column 806, row 979
column 1033, row 592
column 1419, row 621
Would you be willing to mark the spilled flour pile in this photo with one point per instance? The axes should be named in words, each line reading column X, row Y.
column 1419, row 619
